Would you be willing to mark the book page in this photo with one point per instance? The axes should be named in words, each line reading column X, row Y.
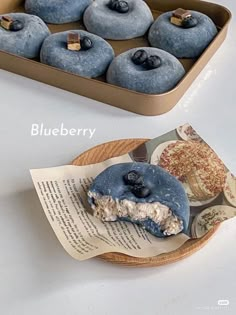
column 63, row 194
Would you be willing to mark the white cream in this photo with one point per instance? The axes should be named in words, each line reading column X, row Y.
column 107, row 209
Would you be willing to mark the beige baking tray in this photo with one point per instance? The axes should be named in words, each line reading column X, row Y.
column 98, row 89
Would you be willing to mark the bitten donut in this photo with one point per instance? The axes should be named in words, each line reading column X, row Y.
column 118, row 20
column 145, row 70
column 182, row 37
column 78, row 52
column 143, row 194
column 57, row 11
column 22, row 34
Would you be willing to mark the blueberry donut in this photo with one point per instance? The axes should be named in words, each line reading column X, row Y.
column 143, row 194
column 57, row 11
column 91, row 61
column 145, row 70
column 118, row 19
column 186, row 40
column 22, row 34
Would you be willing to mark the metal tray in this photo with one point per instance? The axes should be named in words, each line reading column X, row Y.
column 98, row 89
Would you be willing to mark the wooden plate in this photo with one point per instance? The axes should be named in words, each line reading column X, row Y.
column 115, row 148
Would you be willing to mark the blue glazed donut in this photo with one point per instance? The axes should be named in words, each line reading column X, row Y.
column 27, row 41
column 57, row 11
column 86, row 63
column 180, row 42
column 110, row 24
column 124, row 73
column 162, row 212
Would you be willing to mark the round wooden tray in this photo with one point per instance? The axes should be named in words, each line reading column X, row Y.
column 115, row 148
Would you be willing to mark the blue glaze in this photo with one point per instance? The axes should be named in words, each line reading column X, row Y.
column 109, row 24
column 164, row 187
column 89, row 63
column 57, row 11
column 180, row 42
column 26, row 42
column 123, row 72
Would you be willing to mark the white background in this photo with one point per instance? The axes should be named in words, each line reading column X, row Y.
column 36, row 275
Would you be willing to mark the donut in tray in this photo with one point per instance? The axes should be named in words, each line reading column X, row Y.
column 22, row 34
column 146, row 70
column 143, row 194
column 91, row 61
column 186, row 36
column 118, row 20
column 57, row 11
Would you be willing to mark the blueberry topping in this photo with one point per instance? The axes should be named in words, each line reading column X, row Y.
column 16, row 26
column 139, row 57
column 133, row 178
column 122, row 7
column 189, row 22
column 153, row 62
column 140, row 191
column 119, row 6
column 112, row 4
column 86, row 43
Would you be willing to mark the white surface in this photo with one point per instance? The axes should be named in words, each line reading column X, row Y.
column 36, row 275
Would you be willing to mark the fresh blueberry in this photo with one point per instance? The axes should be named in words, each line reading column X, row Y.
column 189, row 22
column 122, row 7
column 140, row 191
column 86, row 43
column 16, row 26
column 153, row 62
column 112, row 4
column 133, row 178
column 139, row 57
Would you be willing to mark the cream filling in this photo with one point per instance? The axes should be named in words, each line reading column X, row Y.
column 108, row 209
